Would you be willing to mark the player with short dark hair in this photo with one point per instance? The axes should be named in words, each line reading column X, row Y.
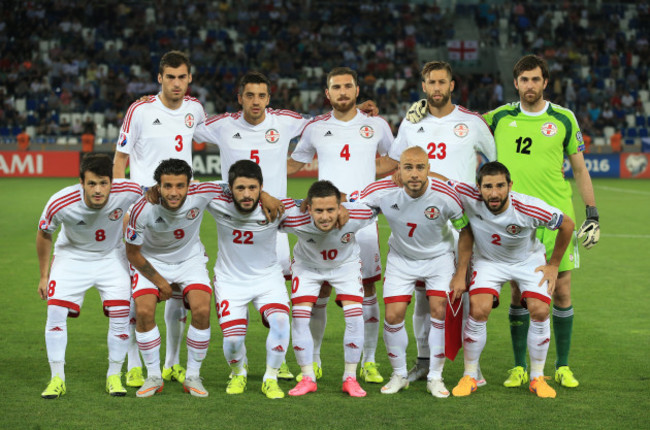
column 503, row 223
column 532, row 138
column 88, row 252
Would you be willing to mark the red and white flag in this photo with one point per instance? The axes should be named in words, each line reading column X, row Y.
column 462, row 50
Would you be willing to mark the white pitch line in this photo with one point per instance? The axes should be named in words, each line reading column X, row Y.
column 623, row 190
column 628, row 236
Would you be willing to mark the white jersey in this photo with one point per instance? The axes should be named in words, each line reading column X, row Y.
column 151, row 133
column 171, row 236
column 510, row 235
column 346, row 150
column 451, row 142
column 326, row 250
column 85, row 232
column 247, row 242
column 419, row 227
column 266, row 143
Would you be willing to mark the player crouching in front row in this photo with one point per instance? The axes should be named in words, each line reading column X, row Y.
column 503, row 225
column 163, row 245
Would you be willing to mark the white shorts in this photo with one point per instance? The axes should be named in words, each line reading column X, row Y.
column 402, row 273
column 345, row 279
column 368, row 240
column 232, row 298
column 488, row 276
column 70, row 278
column 189, row 275
column 419, row 285
column 284, row 255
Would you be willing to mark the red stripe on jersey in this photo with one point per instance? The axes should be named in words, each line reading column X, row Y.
column 288, row 203
column 471, row 112
column 323, row 117
column 284, row 112
column 532, row 211
column 443, row 188
column 127, row 187
column 223, row 198
column 468, row 191
column 126, row 125
column 376, row 186
column 60, row 200
column 215, row 118
column 296, row 221
column 60, row 206
column 135, row 212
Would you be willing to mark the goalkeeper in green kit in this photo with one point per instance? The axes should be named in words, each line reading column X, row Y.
column 532, row 138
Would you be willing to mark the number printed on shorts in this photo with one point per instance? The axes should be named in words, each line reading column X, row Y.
column 294, row 285
column 437, row 150
column 134, row 281
column 345, row 152
column 473, row 279
column 496, row 239
column 412, row 226
column 222, row 309
column 50, row 288
column 329, row 254
column 100, row 235
column 179, row 143
column 179, row 234
column 242, row 237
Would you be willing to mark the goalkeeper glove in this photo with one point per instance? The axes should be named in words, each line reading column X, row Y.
column 590, row 229
column 417, row 111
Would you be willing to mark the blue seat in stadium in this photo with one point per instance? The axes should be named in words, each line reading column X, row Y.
column 640, row 121
column 629, row 141
column 32, row 104
column 643, row 132
column 5, row 131
column 632, row 133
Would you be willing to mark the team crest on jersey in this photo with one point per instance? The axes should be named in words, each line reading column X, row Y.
column 432, row 212
column 347, row 237
column 122, row 141
column 461, row 130
column 263, row 222
column 366, row 131
column 193, row 213
column 354, row 195
column 513, row 229
column 131, row 234
column 549, row 129
column 272, row 135
column 115, row 215
column 189, row 120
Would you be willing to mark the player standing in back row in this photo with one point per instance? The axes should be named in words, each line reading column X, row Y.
column 532, row 138
column 346, row 142
column 153, row 130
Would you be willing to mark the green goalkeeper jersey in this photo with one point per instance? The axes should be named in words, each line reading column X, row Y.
column 533, row 146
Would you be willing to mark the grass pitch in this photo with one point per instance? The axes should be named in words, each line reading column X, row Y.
column 611, row 344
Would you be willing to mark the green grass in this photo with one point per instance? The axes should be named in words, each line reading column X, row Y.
column 609, row 355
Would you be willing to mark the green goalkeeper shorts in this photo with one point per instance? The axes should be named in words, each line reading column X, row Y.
column 570, row 259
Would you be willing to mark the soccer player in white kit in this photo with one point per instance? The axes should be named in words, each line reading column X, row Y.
column 347, row 142
column 326, row 253
column 503, row 225
column 164, row 248
column 153, row 130
column 247, row 271
column 88, row 251
column 452, row 136
column 421, row 249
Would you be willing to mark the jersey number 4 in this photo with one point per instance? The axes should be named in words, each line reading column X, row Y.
column 345, row 152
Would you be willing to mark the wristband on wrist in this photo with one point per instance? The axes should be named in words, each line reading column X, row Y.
column 592, row 212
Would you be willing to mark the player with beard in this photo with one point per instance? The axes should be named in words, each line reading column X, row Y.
column 164, row 248
column 452, row 136
column 347, row 142
column 533, row 136
column 503, row 225
column 247, row 271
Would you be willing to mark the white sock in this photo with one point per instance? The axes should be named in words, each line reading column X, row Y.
column 370, row 328
column 303, row 344
column 539, row 338
column 277, row 341
column 149, row 344
column 350, row 371
column 118, row 339
column 197, row 347
column 474, row 339
column 317, row 325
column 133, row 353
column 233, row 348
column 396, row 341
column 175, row 317
column 437, row 345
column 56, row 339
column 353, row 335
column 421, row 324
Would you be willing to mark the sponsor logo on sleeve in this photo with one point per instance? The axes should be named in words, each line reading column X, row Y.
column 131, row 234
column 42, row 225
column 354, row 196
column 123, row 140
